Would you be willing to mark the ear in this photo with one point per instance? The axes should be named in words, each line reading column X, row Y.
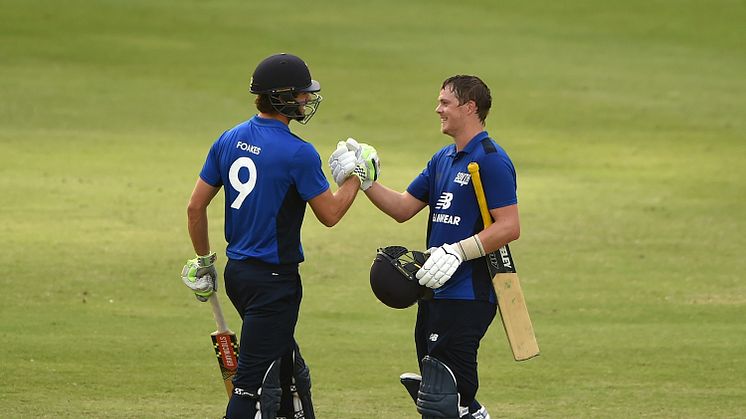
column 472, row 106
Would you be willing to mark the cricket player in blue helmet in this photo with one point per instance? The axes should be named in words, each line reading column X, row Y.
column 268, row 175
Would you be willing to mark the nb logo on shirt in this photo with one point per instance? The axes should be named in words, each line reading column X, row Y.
column 444, row 202
column 433, row 337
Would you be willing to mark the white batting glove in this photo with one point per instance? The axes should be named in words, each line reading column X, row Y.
column 342, row 163
column 440, row 266
column 200, row 276
column 368, row 164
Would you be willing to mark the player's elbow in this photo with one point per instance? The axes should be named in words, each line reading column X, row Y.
column 514, row 233
column 195, row 210
column 329, row 218
column 399, row 218
column 329, row 222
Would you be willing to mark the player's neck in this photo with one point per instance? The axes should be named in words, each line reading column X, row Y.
column 465, row 135
column 282, row 118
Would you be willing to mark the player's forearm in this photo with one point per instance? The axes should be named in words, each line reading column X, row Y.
column 505, row 228
column 499, row 234
column 197, row 215
column 343, row 199
column 198, row 230
column 389, row 202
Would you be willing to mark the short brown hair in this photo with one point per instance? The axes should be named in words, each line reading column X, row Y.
column 468, row 88
column 263, row 104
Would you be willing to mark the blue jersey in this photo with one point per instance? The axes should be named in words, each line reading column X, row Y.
column 268, row 174
column 446, row 186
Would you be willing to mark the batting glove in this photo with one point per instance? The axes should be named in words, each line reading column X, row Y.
column 342, row 163
column 200, row 276
column 440, row 266
column 368, row 164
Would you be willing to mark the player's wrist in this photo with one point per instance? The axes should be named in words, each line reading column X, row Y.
column 207, row 260
column 470, row 248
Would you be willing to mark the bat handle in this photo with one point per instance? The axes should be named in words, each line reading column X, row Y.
column 217, row 312
column 476, row 180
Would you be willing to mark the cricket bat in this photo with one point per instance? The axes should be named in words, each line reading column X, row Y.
column 510, row 300
column 225, row 344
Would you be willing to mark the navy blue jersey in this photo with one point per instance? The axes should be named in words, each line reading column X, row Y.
column 268, row 174
column 446, row 186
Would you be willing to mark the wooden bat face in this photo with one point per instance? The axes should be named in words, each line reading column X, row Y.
column 226, row 351
column 510, row 301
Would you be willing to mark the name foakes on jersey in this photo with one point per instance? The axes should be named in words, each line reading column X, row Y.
column 248, row 147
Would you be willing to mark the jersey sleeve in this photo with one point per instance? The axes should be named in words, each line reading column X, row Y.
column 420, row 186
column 309, row 179
column 499, row 180
column 211, row 169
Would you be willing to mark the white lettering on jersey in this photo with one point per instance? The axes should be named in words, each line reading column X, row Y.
column 462, row 178
column 446, row 219
column 248, row 147
column 444, row 202
column 244, row 189
column 433, row 337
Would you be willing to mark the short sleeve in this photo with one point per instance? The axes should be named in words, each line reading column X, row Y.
column 211, row 169
column 499, row 180
column 307, row 175
column 420, row 186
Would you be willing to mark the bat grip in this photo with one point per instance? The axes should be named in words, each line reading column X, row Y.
column 476, row 180
column 217, row 312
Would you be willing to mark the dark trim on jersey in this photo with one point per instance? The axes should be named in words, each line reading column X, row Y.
column 488, row 145
column 288, row 224
column 429, row 225
column 481, row 282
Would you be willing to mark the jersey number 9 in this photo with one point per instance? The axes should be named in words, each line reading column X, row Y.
column 243, row 188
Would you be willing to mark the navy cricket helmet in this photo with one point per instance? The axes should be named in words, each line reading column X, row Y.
column 282, row 73
column 282, row 77
column 392, row 276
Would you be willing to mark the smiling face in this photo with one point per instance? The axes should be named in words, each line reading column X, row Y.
column 453, row 116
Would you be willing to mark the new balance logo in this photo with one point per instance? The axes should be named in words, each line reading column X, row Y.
column 444, row 202
column 433, row 337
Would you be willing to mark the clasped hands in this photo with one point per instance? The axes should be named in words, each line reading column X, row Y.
column 353, row 158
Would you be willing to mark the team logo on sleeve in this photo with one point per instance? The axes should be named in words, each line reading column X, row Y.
column 462, row 178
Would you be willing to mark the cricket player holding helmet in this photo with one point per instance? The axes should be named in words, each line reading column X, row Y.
column 450, row 325
column 268, row 175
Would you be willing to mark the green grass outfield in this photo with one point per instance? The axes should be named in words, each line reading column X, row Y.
column 626, row 122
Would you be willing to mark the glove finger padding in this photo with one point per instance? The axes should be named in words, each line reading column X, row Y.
column 341, row 149
column 353, row 146
column 367, row 166
column 343, row 166
column 439, row 267
column 200, row 276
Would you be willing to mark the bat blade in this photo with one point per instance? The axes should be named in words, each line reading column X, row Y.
column 514, row 314
column 510, row 301
column 225, row 344
column 512, row 305
column 226, row 351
